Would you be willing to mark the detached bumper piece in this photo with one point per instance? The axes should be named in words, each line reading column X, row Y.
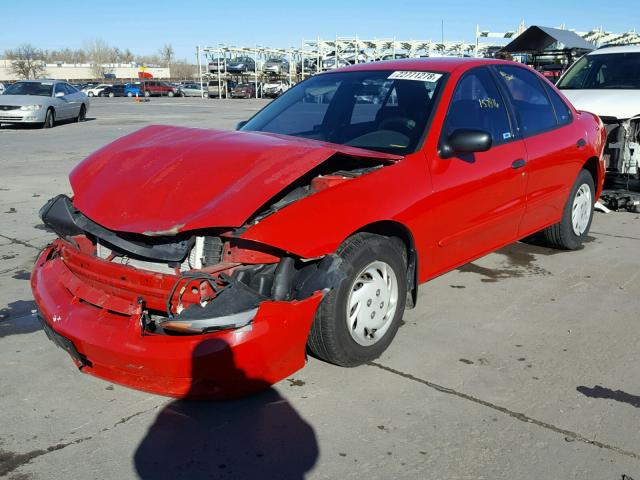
column 101, row 314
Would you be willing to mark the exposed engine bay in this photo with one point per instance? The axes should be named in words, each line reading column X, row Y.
column 205, row 280
column 622, row 158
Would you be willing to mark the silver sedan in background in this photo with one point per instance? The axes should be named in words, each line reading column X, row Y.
column 42, row 101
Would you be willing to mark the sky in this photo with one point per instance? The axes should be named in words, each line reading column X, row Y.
column 144, row 26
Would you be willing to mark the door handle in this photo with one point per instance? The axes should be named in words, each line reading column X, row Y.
column 518, row 163
column 581, row 143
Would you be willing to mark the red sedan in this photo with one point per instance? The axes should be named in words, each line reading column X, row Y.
column 202, row 263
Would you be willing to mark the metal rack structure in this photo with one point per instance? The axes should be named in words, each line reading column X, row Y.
column 321, row 54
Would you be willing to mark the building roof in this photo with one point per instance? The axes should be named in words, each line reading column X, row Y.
column 537, row 39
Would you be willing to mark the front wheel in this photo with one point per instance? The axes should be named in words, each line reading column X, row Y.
column 147, row 93
column 357, row 321
column 577, row 215
column 90, row 94
column 49, row 119
column 170, row 94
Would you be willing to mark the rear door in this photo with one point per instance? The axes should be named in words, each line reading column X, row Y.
column 552, row 142
column 480, row 196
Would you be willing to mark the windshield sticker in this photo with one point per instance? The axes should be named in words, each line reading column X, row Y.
column 419, row 76
column 488, row 103
column 506, row 76
column 506, row 135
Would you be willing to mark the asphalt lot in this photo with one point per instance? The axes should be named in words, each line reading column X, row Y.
column 521, row 365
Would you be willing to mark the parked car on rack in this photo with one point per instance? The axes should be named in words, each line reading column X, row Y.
column 276, row 66
column 309, row 66
column 42, row 101
column 192, row 90
column 221, row 89
column 215, row 64
column 244, row 90
column 151, row 88
column 274, row 88
column 114, row 91
column 241, row 65
column 94, row 90
column 204, row 263
column 607, row 83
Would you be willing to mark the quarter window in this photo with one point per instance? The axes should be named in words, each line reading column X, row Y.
column 477, row 104
column 529, row 98
column 563, row 114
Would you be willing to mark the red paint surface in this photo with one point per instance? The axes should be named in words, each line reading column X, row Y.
column 164, row 178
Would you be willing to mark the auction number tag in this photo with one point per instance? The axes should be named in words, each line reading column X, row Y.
column 419, row 76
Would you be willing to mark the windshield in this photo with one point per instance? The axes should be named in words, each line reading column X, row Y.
column 42, row 89
column 385, row 111
column 604, row 71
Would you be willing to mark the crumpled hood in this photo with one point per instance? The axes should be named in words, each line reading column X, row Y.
column 621, row 104
column 162, row 180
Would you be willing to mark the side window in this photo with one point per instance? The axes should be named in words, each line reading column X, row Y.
column 529, row 98
column 60, row 88
column 69, row 89
column 477, row 104
column 563, row 114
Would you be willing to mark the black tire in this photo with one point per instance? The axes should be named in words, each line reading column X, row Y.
column 329, row 337
column 111, row 95
column 129, row 94
column 170, row 94
column 82, row 114
column 147, row 93
column 562, row 234
column 49, row 119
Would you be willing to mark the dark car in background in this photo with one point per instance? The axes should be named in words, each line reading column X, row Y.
column 155, row 88
column 114, row 91
column 241, row 65
column 244, row 90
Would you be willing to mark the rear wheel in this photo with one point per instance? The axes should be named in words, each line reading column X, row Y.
column 170, row 94
column 90, row 94
column 49, row 119
column 357, row 321
column 111, row 95
column 571, row 231
column 147, row 93
column 129, row 94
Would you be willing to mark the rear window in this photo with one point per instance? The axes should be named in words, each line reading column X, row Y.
column 604, row 71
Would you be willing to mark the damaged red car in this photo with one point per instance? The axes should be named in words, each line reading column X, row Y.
column 204, row 263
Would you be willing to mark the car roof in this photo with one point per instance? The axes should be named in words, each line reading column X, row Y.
column 616, row 49
column 437, row 64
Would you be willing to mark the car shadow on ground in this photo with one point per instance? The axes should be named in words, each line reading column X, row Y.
column 257, row 436
column 38, row 126
column 17, row 318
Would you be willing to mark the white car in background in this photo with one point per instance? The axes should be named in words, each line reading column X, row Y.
column 607, row 82
column 275, row 88
column 94, row 91
column 42, row 102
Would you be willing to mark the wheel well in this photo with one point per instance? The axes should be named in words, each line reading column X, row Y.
column 392, row 229
column 591, row 166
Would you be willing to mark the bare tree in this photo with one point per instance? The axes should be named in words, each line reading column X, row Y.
column 26, row 61
column 166, row 53
column 182, row 70
column 127, row 56
column 98, row 53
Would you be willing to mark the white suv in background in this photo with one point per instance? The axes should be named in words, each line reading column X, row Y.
column 96, row 90
column 607, row 82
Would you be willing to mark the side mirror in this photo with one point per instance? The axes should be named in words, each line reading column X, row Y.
column 59, row 94
column 465, row 141
column 241, row 124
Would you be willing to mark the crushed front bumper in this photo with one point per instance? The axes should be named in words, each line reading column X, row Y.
column 110, row 343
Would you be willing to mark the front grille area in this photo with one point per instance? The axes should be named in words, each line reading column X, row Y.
column 7, row 118
column 8, row 107
column 206, row 251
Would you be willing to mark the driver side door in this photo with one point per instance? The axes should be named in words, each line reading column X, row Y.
column 478, row 198
column 62, row 104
